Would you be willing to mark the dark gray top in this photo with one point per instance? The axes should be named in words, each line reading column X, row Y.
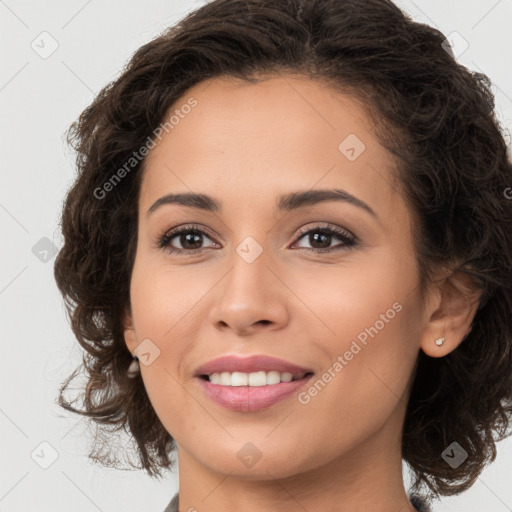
column 416, row 501
column 173, row 505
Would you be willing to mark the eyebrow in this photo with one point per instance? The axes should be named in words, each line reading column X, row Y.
column 286, row 203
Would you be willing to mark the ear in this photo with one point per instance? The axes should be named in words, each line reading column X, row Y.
column 130, row 337
column 451, row 307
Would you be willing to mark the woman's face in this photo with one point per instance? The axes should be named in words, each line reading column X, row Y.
column 327, row 282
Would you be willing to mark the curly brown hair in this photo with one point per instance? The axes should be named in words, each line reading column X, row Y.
column 437, row 118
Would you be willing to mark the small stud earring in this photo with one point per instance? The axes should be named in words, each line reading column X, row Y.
column 439, row 341
column 133, row 369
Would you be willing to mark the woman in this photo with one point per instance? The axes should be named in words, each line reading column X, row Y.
column 287, row 257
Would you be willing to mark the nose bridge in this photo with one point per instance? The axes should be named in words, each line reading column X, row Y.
column 250, row 295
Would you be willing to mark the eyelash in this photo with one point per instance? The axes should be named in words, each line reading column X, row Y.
column 349, row 240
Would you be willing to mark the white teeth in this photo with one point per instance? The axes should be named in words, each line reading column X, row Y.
column 274, row 377
column 237, row 379
column 256, row 379
column 250, row 379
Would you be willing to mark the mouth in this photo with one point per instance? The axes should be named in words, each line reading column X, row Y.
column 243, row 393
column 250, row 383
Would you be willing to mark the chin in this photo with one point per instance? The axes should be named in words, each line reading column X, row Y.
column 247, row 462
column 259, row 472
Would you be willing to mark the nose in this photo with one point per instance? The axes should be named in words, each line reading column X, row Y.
column 251, row 298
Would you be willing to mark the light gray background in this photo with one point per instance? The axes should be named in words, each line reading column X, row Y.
column 39, row 98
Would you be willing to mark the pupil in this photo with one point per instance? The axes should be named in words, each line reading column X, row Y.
column 190, row 239
column 314, row 238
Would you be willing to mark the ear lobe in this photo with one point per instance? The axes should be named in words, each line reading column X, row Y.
column 453, row 315
column 130, row 337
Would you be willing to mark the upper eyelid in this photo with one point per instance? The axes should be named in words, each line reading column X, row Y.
column 328, row 227
column 178, row 230
column 199, row 227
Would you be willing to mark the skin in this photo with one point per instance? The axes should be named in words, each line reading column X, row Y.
column 245, row 145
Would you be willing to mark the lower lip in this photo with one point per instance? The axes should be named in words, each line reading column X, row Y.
column 251, row 398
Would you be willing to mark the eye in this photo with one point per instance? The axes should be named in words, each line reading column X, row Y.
column 189, row 238
column 320, row 238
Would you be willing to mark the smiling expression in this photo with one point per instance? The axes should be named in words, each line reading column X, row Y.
column 270, row 224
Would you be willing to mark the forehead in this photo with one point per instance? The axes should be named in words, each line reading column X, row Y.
column 266, row 138
column 305, row 107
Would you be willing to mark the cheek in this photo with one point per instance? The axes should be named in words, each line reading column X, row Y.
column 366, row 323
column 164, row 306
column 347, row 297
column 164, row 298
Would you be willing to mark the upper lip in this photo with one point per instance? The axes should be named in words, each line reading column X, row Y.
column 255, row 363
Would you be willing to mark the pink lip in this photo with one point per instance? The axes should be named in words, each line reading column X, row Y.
column 251, row 398
column 250, row 364
column 248, row 398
